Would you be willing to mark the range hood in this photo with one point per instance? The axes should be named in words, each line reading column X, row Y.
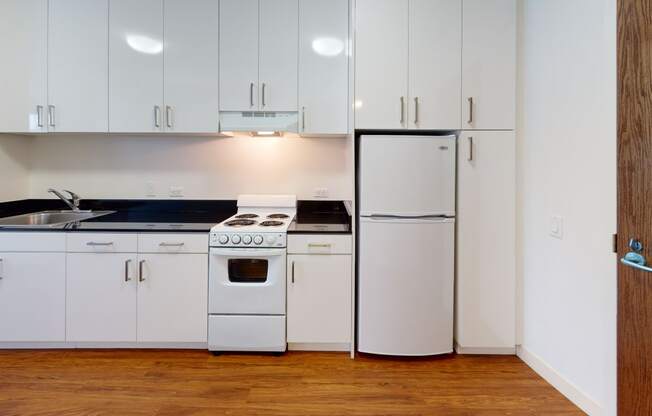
column 254, row 121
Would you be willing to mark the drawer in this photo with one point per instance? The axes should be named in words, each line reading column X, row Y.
column 319, row 244
column 101, row 243
column 172, row 243
column 27, row 241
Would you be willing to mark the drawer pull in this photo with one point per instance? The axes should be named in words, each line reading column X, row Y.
column 96, row 244
column 172, row 244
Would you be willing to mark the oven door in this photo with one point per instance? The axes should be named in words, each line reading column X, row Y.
column 247, row 281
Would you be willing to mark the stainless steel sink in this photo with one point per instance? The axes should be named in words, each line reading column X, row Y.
column 45, row 219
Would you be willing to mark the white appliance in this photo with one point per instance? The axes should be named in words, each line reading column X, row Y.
column 406, row 244
column 246, row 298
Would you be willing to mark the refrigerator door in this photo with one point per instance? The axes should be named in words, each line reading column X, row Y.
column 405, row 293
column 407, row 175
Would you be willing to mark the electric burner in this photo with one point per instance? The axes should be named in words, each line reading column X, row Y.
column 278, row 216
column 243, row 216
column 271, row 223
column 239, row 223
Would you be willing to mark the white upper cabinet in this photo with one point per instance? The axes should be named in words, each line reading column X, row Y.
column 489, row 64
column 238, row 55
column 23, row 42
column 279, row 39
column 381, row 59
column 324, row 66
column 258, row 55
column 435, row 50
column 78, row 67
column 191, row 66
column 136, row 66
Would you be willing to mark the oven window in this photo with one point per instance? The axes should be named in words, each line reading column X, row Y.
column 248, row 270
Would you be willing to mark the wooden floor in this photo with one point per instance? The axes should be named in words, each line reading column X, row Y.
column 110, row 382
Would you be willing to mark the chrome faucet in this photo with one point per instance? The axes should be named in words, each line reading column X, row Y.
column 74, row 205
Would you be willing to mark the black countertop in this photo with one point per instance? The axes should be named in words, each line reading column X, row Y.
column 175, row 215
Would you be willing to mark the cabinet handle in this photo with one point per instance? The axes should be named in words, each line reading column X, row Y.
column 96, row 244
column 172, row 244
column 51, row 115
column 314, row 245
column 157, row 116
column 168, row 116
column 39, row 115
column 2, row 268
column 293, row 272
column 402, row 110
column 470, row 158
column 127, row 263
column 141, row 278
column 264, row 87
column 251, row 94
column 470, row 120
column 416, row 110
column 303, row 118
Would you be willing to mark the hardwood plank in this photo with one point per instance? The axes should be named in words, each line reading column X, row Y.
column 162, row 382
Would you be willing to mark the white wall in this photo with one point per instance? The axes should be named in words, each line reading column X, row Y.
column 567, row 168
column 14, row 159
column 107, row 166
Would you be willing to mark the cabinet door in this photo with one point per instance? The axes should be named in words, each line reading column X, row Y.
column 33, row 297
column 78, row 67
column 324, row 66
column 381, row 64
column 23, row 75
column 485, row 293
column 238, row 55
column 319, row 298
column 435, row 64
column 489, row 64
column 191, row 66
column 172, row 298
column 279, row 39
column 136, row 66
column 101, row 297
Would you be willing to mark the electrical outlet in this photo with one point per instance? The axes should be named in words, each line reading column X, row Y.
column 321, row 193
column 557, row 227
column 150, row 189
column 176, row 192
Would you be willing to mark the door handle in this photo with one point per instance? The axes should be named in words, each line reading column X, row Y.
column 292, row 272
column 470, row 158
column 39, row 115
column 470, row 120
column 127, row 263
column 402, row 110
column 634, row 258
column 157, row 116
column 416, row 110
column 168, row 116
column 635, row 265
column 303, row 118
column 2, row 269
column 141, row 278
column 51, row 115
column 251, row 94
column 264, row 87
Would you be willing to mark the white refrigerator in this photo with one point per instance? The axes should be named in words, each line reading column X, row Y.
column 406, row 244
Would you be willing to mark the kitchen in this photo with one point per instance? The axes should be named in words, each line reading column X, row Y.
column 300, row 177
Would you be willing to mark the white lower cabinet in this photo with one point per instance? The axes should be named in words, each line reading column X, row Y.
column 101, row 297
column 172, row 298
column 486, row 249
column 319, row 294
column 32, row 296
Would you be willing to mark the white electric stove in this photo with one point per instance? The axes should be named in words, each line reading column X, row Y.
column 247, row 276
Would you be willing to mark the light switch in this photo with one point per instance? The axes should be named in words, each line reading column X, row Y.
column 557, row 227
column 321, row 193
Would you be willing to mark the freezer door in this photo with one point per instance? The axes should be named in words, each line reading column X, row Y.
column 405, row 294
column 407, row 175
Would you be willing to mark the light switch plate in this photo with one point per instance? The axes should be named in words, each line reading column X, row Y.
column 557, row 227
column 176, row 192
column 150, row 189
column 321, row 193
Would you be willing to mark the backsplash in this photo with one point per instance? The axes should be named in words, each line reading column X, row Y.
column 190, row 167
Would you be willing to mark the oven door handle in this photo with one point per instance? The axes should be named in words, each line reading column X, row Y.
column 247, row 253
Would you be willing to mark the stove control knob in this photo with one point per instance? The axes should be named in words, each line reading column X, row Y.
column 258, row 240
column 246, row 239
column 224, row 239
column 235, row 239
column 271, row 239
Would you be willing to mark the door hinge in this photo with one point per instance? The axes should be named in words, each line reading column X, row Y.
column 615, row 243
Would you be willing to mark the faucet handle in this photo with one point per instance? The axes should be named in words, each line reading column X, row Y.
column 74, row 196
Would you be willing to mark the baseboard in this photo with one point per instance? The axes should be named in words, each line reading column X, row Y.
column 321, row 346
column 565, row 387
column 104, row 345
column 484, row 350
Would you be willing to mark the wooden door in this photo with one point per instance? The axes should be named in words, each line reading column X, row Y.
column 634, row 213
